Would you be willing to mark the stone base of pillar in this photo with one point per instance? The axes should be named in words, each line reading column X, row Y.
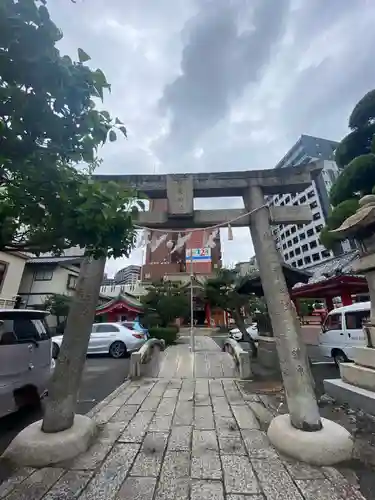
column 34, row 448
column 329, row 446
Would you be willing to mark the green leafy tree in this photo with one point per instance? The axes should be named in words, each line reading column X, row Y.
column 221, row 291
column 48, row 123
column 58, row 305
column 356, row 156
column 164, row 302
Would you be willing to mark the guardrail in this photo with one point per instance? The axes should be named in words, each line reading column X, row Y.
column 144, row 356
column 241, row 357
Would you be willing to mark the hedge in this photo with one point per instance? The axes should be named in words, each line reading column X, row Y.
column 169, row 333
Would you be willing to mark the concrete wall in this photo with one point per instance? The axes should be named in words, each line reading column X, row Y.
column 16, row 265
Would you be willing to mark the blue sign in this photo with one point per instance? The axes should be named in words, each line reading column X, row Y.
column 198, row 254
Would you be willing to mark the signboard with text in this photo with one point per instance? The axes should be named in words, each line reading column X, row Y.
column 198, row 254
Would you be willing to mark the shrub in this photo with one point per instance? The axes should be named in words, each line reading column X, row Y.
column 169, row 333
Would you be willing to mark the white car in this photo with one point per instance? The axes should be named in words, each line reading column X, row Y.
column 252, row 330
column 114, row 339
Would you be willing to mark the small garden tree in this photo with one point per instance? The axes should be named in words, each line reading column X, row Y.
column 222, row 292
column 356, row 156
column 58, row 305
column 164, row 302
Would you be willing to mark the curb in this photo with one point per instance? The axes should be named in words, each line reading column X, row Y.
column 106, row 401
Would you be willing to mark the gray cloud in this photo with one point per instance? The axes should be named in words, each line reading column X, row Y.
column 219, row 59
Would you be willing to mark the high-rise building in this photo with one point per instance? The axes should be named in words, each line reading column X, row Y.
column 160, row 262
column 299, row 245
column 128, row 274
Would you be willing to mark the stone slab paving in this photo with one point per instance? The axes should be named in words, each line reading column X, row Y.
column 182, row 439
column 207, row 362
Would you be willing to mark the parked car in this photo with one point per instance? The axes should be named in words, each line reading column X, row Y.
column 252, row 330
column 342, row 330
column 26, row 363
column 136, row 326
column 114, row 339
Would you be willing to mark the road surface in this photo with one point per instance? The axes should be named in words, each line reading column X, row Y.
column 102, row 375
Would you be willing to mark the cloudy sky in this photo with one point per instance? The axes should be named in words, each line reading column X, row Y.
column 212, row 85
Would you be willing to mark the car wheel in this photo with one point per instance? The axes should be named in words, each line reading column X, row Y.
column 117, row 349
column 55, row 350
column 339, row 357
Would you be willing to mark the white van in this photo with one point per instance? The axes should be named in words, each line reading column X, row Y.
column 342, row 330
column 26, row 363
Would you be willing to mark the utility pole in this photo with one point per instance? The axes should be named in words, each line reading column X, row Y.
column 192, row 335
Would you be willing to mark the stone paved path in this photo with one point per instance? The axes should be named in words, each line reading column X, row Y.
column 207, row 362
column 179, row 438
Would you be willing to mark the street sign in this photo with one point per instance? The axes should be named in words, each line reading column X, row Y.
column 198, row 254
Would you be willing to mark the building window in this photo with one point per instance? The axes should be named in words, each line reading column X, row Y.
column 298, row 251
column 333, row 322
column 3, row 272
column 325, row 254
column 315, row 257
column 291, row 254
column 300, row 262
column 314, row 204
column 313, row 244
column 302, row 236
column 304, row 248
column 287, row 233
column 310, row 194
column 43, row 274
column 295, row 239
column 316, row 216
column 302, row 200
column 354, row 320
column 308, row 260
column 293, row 264
column 310, row 232
column 319, row 228
column 289, row 243
column 287, row 200
column 283, row 236
column 72, row 282
column 284, row 246
column 293, row 229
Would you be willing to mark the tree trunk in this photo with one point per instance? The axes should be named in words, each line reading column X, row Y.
column 64, row 386
column 237, row 316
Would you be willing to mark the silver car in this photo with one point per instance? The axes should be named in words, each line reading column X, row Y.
column 114, row 339
column 26, row 363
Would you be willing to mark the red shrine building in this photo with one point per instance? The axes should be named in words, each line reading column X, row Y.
column 124, row 307
column 334, row 283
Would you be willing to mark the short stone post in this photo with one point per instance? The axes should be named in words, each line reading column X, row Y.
column 320, row 444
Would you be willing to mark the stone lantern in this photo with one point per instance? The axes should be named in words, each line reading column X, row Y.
column 361, row 227
column 357, row 386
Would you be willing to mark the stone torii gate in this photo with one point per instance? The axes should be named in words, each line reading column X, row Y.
column 253, row 186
